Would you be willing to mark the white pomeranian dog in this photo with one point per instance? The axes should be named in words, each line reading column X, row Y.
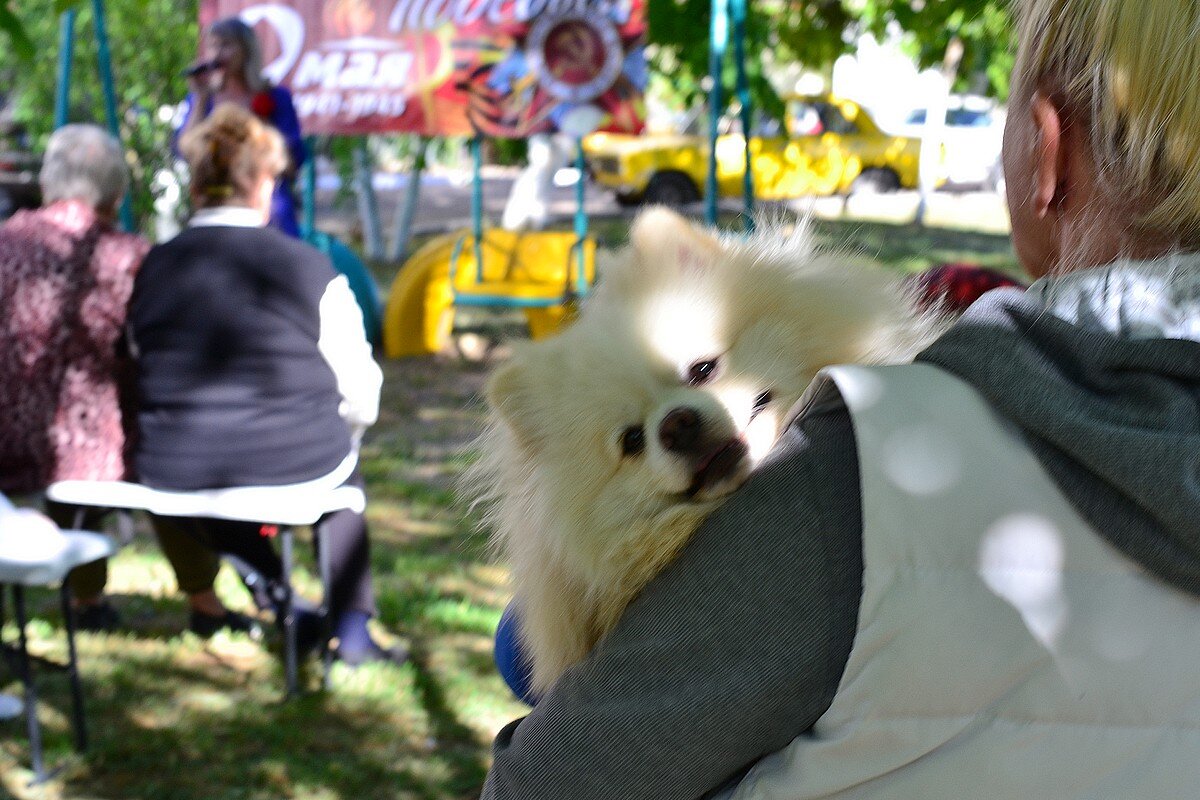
column 610, row 443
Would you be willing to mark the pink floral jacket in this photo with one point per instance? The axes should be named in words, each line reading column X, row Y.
column 65, row 281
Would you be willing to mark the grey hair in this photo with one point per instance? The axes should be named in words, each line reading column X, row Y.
column 233, row 29
column 84, row 162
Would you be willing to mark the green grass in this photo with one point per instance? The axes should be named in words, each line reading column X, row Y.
column 172, row 716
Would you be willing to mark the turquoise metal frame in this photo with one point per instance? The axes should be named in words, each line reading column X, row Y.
column 570, row 292
column 727, row 14
column 62, row 95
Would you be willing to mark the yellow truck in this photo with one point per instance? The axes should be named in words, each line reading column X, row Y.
column 828, row 146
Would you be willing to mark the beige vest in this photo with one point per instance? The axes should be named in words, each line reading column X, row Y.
column 1004, row 650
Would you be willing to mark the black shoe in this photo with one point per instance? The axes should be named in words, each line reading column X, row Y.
column 97, row 618
column 206, row 625
column 372, row 654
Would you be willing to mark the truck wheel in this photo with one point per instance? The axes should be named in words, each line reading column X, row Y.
column 876, row 180
column 671, row 189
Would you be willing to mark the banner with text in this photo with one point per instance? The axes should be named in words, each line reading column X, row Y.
column 446, row 67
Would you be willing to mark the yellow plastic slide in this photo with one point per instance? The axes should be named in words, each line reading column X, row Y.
column 529, row 265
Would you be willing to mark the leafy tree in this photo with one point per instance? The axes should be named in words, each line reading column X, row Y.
column 151, row 42
column 982, row 27
column 10, row 26
column 778, row 32
column 815, row 32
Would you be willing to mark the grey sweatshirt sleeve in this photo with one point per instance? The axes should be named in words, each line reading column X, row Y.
column 729, row 654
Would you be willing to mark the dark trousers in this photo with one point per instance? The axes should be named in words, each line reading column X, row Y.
column 343, row 532
column 195, row 565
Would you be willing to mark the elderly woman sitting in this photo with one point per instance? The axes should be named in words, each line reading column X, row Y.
column 253, row 368
column 65, row 281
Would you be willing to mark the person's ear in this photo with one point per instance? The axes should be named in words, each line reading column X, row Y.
column 1050, row 160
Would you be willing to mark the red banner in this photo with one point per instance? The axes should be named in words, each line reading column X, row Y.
column 446, row 67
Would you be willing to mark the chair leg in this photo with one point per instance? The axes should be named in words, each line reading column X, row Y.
column 326, row 568
column 289, row 615
column 77, row 711
column 31, row 720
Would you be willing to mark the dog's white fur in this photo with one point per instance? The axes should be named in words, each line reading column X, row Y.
column 583, row 524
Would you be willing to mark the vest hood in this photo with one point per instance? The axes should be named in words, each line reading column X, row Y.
column 1100, row 370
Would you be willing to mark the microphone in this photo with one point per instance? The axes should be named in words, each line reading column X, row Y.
column 201, row 68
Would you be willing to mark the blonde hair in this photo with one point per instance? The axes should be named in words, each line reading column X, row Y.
column 232, row 29
column 229, row 153
column 1130, row 73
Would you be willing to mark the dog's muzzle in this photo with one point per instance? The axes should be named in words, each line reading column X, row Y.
column 682, row 432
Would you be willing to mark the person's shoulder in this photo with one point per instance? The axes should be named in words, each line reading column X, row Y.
column 120, row 254
column 178, row 246
column 25, row 221
column 280, row 100
column 25, row 243
column 160, row 253
column 296, row 251
column 132, row 244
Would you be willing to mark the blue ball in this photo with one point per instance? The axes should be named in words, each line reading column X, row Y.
column 511, row 662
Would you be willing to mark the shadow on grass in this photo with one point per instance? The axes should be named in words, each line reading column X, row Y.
column 448, row 731
column 172, row 717
column 161, row 728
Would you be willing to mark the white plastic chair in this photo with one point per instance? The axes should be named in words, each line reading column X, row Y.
column 284, row 506
column 35, row 552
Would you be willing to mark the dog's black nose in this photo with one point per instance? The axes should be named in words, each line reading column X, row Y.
column 680, row 430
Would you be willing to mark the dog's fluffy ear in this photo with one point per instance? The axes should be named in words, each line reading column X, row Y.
column 665, row 240
column 510, row 394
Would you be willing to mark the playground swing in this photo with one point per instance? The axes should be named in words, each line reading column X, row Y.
column 543, row 274
column 524, row 280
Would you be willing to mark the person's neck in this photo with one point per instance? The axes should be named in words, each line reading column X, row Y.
column 235, row 87
column 1096, row 232
column 1127, row 249
column 236, row 213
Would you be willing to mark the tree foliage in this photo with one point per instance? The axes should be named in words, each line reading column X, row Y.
column 813, row 33
column 151, row 42
column 778, row 32
column 984, row 27
column 12, row 28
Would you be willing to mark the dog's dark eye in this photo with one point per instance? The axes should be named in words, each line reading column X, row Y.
column 633, row 441
column 701, row 371
column 762, row 401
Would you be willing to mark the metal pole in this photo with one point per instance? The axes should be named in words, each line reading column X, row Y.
column 308, row 177
column 738, row 8
column 581, row 221
column 368, row 206
column 477, row 203
column 77, row 711
column 718, row 40
column 290, row 657
column 325, row 564
column 31, row 719
column 66, row 54
column 110, row 96
column 407, row 210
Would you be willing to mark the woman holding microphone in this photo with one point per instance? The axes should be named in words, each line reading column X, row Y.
column 230, row 71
